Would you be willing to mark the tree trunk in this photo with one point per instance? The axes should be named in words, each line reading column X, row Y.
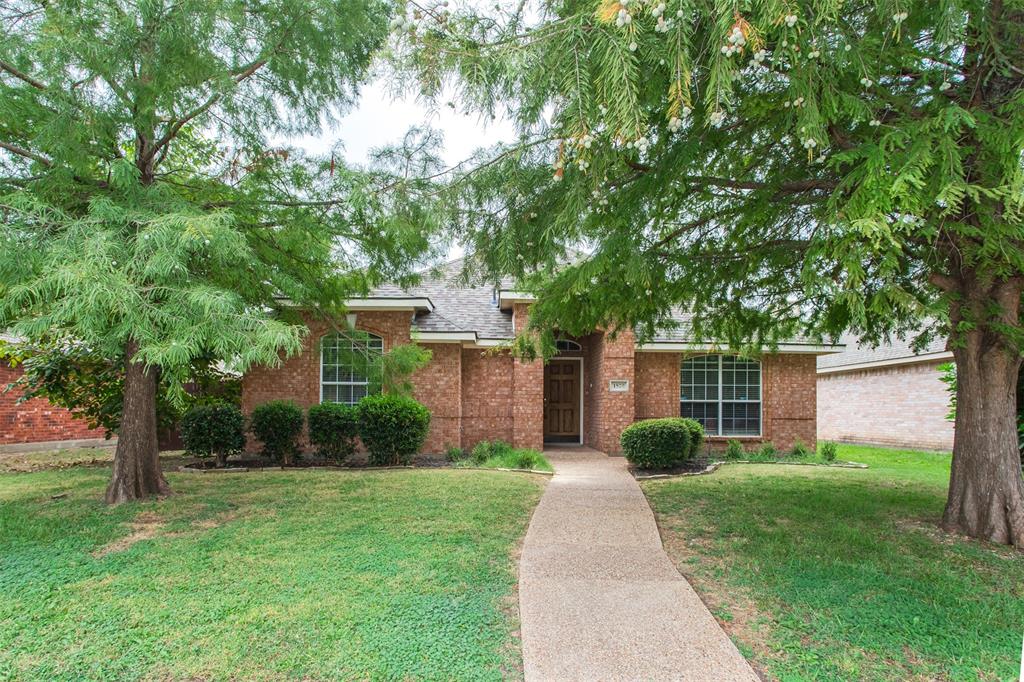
column 222, row 459
column 986, row 490
column 137, row 473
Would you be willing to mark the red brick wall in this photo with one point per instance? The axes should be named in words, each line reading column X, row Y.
column 36, row 420
column 476, row 395
column 438, row 386
column 610, row 412
column 486, row 396
column 789, row 389
column 902, row 405
column 657, row 385
column 298, row 377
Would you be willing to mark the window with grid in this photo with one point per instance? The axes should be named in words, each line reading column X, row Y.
column 723, row 393
column 348, row 367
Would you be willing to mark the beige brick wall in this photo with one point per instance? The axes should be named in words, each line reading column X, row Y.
column 902, row 405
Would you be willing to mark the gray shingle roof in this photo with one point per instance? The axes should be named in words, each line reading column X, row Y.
column 857, row 353
column 460, row 306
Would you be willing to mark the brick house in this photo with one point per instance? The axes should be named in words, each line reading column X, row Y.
column 36, row 421
column 595, row 386
column 889, row 395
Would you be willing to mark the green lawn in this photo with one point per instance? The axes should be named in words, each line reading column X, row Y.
column 842, row 574
column 272, row 575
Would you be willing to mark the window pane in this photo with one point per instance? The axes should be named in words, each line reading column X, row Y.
column 741, row 419
column 347, row 361
column 705, row 413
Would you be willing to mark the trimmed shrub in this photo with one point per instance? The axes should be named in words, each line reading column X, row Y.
column 393, row 428
column 828, row 451
column 800, row 450
column 216, row 429
column 333, row 429
column 734, row 450
column 696, row 435
column 278, row 425
column 657, row 443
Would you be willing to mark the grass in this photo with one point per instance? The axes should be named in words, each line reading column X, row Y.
column 272, row 575
column 839, row 574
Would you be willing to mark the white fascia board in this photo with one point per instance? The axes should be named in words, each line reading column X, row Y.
column 683, row 346
column 492, row 343
column 390, row 304
column 506, row 298
column 891, row 362
column 444, row 337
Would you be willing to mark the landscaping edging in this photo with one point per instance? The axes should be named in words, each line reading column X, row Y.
column 714, row 466
column 240, row 470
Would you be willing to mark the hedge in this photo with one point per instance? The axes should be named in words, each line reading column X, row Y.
column 393, row 428
column 661, row 443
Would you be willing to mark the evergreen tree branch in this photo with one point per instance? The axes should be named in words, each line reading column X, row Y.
column 20, row 75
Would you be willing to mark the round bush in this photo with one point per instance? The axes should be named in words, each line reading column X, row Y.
column 657, row 443
column 393, row 428
column 696, row 435
column 278, row 424
column 216, row 429
column 333, row 429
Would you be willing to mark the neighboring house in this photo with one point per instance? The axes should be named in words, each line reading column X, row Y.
column 37, row 421
column 887, row 395
column 595, row 387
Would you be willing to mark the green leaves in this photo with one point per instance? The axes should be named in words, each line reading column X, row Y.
column 835, row 155
column 141, row 200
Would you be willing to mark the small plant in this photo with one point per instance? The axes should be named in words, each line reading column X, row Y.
column 485, row 450
column 216, row 429
column 333, row 429
column 455, row 454
column 828, row 451
column 393, row 428
column 767, row 451
column 734, row 450
column 278, row 424
column 500, row 455
column 657, row 443
column 800, row 451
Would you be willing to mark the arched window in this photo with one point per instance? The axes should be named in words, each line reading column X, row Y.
column 348, row 366
column 722, row 392
column 567, row 346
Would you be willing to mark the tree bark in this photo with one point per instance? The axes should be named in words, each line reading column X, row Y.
column 986, row 490
column 137, row 473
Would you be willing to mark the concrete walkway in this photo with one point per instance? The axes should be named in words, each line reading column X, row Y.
column 599, row 598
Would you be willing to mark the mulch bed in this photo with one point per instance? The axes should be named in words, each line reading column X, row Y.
column 693, row 466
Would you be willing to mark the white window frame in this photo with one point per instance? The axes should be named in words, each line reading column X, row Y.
column 568, row 346
column 721, row 392
column 370, row 337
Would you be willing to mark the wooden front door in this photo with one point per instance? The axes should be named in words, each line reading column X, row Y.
column 562, row 401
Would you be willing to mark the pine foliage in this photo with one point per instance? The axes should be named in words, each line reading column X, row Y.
column 773, row 167
column 142, row 195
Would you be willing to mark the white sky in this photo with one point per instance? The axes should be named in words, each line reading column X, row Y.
column 381, row 119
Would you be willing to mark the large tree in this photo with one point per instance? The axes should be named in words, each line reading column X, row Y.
column 772, row 166
column 146, row 214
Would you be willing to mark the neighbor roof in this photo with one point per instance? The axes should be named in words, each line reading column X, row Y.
column 864, row 356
